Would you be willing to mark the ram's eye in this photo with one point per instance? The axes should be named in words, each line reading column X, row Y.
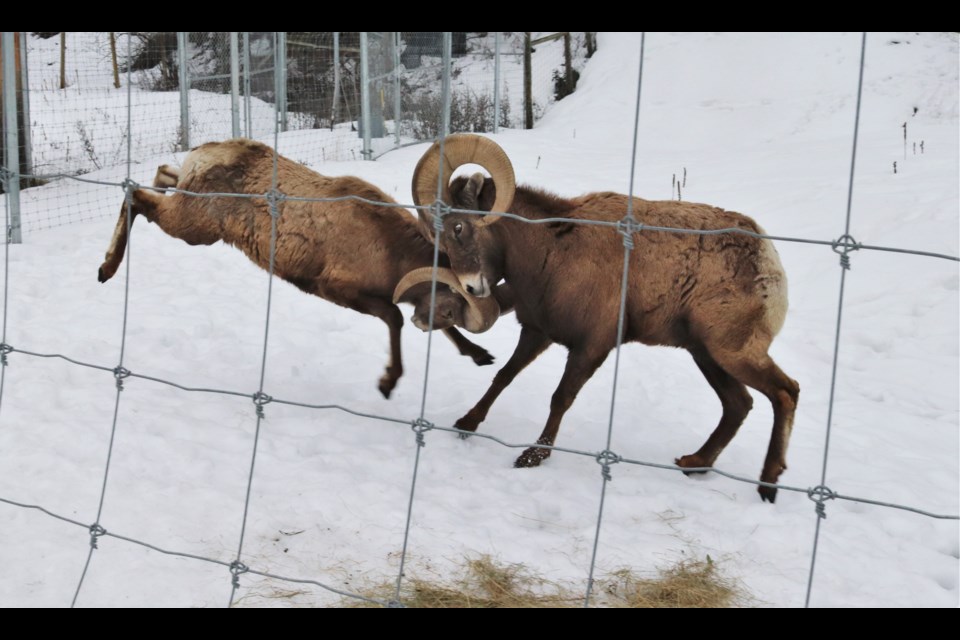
column 457, row 228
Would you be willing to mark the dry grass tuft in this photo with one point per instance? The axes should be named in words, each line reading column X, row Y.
column 687, row 584
column 484, row 584
column 487, row 584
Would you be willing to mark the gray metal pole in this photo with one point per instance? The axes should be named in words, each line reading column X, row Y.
column 496, row 82
column 281, row 77
column 235, row 83
column 365, row 96
column 527, row 82
column 335, row 110
column 25, row 93
column 396, row 88
column 447, row 56
column 10, row 129
column 184, row 90
column 248, row 125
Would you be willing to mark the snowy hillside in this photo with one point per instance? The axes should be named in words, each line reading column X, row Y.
column 761, row 124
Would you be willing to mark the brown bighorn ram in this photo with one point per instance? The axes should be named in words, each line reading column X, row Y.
column 721, row 297
column 349, row 252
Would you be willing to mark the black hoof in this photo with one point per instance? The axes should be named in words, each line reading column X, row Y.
column 484, row 360
column 532, row 457
column 465, row 427
column 694, row 462
column 767, row 494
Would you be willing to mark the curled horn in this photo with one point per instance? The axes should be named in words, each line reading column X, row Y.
column 460, row 149
column 480, row 313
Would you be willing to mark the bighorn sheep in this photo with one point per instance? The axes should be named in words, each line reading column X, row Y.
column 349, row 252
column 721, row 297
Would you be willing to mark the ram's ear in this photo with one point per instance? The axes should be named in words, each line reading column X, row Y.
column 474, row 186
column 488, row 195
column 465, row 191
column 425, row 224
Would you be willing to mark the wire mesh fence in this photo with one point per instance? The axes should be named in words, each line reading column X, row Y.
column 628, row 229
column 236, row 84
column 213, row 111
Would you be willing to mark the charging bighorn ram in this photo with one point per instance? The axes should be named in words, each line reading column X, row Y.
column 721, row 297
column 349, row 252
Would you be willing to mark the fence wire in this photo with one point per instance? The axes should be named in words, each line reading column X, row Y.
column 607, row 456
column 119, row 372
column 822, row 492
column 420, row 426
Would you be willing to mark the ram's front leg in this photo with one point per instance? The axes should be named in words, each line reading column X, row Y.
column 391, row 315
column 531, row 344
column 581, row 365
column 475, row 352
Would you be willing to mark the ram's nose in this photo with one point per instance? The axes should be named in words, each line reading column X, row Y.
column 475, row 284
column 418, row 323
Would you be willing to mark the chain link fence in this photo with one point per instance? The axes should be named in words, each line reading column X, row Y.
column 352, row 95
column 606, row 458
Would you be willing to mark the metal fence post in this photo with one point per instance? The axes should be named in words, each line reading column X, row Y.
column 280, row 77
column 26, row 144
column 365, row 95
column 527, row 82
column 248, row 125
column 235, row 83
column 113, row 60
column 447, row 57
column 63, row 59
column 496, row 82
column 396, row 88
column 184, row 75
column 10, row 130
column 335, row 109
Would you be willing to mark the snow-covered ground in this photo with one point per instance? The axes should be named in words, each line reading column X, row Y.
column 762, row 124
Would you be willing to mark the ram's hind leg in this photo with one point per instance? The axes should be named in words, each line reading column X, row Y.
column 141, row 202
column 752, row 366
column 736, row 402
